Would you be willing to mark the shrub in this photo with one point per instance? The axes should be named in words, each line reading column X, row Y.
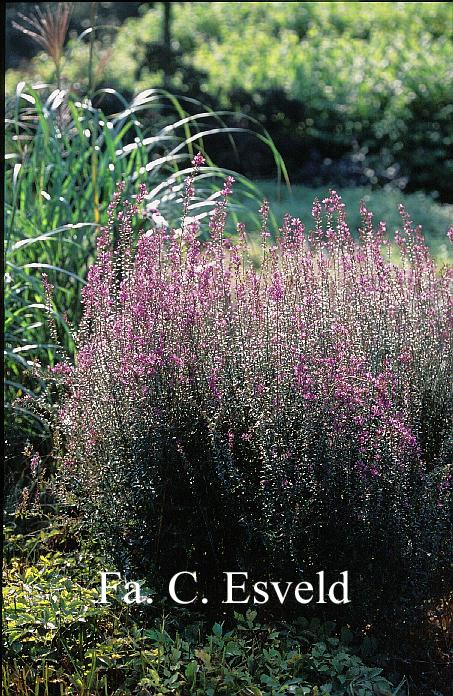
column 363, row 86
column 282, row 414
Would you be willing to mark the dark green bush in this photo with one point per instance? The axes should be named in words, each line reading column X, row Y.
column 350, row 92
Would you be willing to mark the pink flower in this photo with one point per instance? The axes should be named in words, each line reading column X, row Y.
column 198, row 160
column 35, row 461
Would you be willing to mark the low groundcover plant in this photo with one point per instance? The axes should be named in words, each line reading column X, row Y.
column 286, row 412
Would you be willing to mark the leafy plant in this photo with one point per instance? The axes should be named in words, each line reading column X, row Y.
column 349, row 92
column 57, row 639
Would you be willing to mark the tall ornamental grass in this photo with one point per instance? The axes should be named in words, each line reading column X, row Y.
column 283, row 415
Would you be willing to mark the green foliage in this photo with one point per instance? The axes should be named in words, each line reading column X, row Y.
column 375, row 77
column 369, row 79
column 57, row 640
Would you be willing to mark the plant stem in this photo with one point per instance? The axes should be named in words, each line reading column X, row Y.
column 93, row 14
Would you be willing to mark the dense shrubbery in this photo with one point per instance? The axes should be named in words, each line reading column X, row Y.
column 349, row 91
column 286, row 414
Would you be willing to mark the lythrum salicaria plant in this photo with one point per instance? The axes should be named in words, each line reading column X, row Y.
column 287, row 413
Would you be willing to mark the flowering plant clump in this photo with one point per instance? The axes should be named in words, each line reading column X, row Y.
column 288, row 413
